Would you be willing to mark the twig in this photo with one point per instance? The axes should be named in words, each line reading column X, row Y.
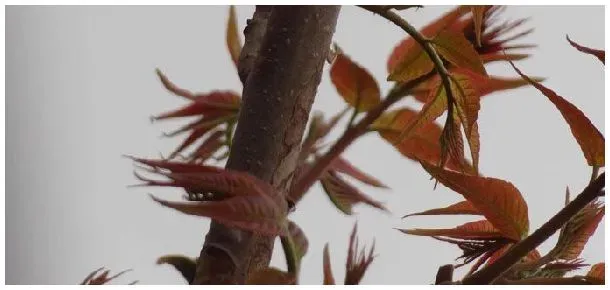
column 490, row 273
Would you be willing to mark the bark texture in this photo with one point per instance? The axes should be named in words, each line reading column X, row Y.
column 280, row 86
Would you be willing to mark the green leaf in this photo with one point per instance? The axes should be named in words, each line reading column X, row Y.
column 455, row 48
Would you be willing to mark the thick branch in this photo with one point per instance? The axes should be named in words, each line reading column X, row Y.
column 254, row 33
column 490, row 273
column 277, row 97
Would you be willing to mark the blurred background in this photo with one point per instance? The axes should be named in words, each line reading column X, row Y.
column 80, row 88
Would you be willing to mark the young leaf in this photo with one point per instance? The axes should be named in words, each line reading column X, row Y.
column 431, row 110
column 478, row 14
column 355, row 84
column 233, row 40
column 455, row 48
column 185, row 265
column 598, row 271
column 413, row 64
column 102, row 279
column 343, row 166
column 295, row 246
column 271, row 276
column 491, row 57
column 328, row 272
column 208, row 147
column 406, row 45
column 589, row 138
column 451, row 141
column 343, row 195
column 422, row 145
column 462, row 207
column 477, row 230
column 215, row 104
column 600, row 54
column 499, row 201
column 357, row 263
column 257, row 214
column 574, row 235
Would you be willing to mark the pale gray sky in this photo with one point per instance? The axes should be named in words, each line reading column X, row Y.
column 80, row 88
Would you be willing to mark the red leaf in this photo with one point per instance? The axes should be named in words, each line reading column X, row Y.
column 478, row 17
column 343, row 166
column 328, row 272
column 482, row 229
column 253, row 213
column 499, row 201
column 598, row 271
column 216, row 104
column 357, row 263
column 589, row 138
column 600, row 54
column 576, row 232
column 462, row 207
column 356, row 85
column 208, row 147
column 456, row 49
column 343, row 195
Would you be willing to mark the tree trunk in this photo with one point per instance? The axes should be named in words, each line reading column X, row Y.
column 280, row 85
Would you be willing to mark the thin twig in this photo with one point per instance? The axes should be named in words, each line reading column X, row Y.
column 490, row 273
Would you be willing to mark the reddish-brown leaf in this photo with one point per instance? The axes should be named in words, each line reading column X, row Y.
column 270, row 276
column 499, row 201
column 185, row 265
column 456, row 49
column 233, row 40
column 598, row 271
column 328, row 272
column 574, row 235
column 600, row 54
column 430, row 111
column 343, row 195
column 413, row 64
column 462, row 207
column 482, row 229
column 357, row 262
column 102, row 279
column 208, row 147
column 343, row 166
column 355, row 84
column 405, row 46
column 451, row 141
column 589, row 138
column 424, row 144
column 259, row 214
column 491, row 57
column 217, row 104
column 173, row 88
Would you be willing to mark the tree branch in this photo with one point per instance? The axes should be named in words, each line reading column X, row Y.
column 277, row 97
column 254, row 33
column 490, row 273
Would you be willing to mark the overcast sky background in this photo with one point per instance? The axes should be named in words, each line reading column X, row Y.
column 80, row 88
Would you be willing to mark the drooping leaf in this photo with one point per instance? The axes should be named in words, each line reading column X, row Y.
column 173, row 88
column 424, row 144
column 343, row 166
column 589, row 138
column 355, row 84
column 270, row 276
column 343, row 195
column 357, row 262
column 499, row 201
column 193, row 136
column 328, row 273
column 574, row 235
column 430, row 111
column 462, row 207
column 413, row 64
column 253, row 213
column 598, row 271
column 187, row 266
column 452, row 143
column 216, row 104
column 233, row 40
column 600, row 54
column 407, row 44
column 208, row 147
column 477, row 230
column 456, row 49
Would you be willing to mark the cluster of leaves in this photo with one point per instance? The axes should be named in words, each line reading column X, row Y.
column 446, row 72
